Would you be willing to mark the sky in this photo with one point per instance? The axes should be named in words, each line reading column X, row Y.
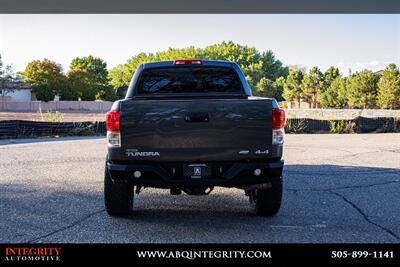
column 345, row 41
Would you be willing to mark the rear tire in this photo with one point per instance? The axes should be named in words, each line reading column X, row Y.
column 118, row 197
column 267, row 200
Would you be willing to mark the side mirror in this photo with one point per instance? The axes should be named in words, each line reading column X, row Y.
column 121, row 92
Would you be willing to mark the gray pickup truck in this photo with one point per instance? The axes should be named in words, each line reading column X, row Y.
column 191, row 125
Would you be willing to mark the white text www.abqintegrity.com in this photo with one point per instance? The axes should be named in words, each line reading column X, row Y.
column 204, row 254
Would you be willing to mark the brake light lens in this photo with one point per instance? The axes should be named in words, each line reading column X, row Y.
column 114, row 139
column 187, row 62
column 278, row 118
column 113, row 121
column 278, row 126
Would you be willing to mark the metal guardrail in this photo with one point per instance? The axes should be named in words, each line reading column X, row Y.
column 29, row 129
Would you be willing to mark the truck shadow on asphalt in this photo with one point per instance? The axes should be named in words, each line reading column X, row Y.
column 297, row 179
column 335, row 203
column 324, row 198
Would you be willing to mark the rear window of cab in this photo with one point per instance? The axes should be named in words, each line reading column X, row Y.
column 188, row 79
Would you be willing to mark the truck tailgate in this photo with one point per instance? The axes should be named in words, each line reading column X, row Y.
column 196, row 130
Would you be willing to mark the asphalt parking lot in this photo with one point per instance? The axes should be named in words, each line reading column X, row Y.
column 338, row 188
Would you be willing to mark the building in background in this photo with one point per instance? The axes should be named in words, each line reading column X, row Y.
column 15, row 91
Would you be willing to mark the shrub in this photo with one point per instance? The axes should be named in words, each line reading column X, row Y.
column 396, row 125
column 295, row 126
column 283, row 105
column 342, row 126
column 53, row 117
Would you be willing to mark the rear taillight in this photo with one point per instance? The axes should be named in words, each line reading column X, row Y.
column 278, row 118
column 114, row 139
column 113, row 120
column 187, row 62
column 278, row 126
column 113, row 126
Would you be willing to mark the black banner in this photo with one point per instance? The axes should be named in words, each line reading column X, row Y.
column 200, row 254
column 199, row 6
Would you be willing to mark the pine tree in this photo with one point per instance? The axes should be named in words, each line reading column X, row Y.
column 363, row 89
column 313, row 84
column 293, row 88
column 389, row 88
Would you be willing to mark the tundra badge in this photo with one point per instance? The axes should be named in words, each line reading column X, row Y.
column 137, row 153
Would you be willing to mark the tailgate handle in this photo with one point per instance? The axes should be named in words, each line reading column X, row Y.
column 197, row 117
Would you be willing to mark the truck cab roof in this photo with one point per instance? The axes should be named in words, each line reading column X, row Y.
column 210, row 63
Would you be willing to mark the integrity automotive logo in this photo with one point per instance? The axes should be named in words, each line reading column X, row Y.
column 32, row 254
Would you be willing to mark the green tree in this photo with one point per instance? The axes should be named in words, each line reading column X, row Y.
column 313, row 84
column 6, row 71
column 293, row 87
column 94, row 66
column 268, row 88
column 46, row 77
column 278, row 85
column 271, row 67
column 176, row 53
column 107, row 94
column 67, row 92
column 81, row 83
column 336, row 95
column 246, row 57
column 7, row 74
column 254, row 64
column 330, row 75
column 389, row 88
column 121, row 75
column 88, row 76
column 363, row 89
column 19, row 76
column 265, row 88
column 1, row 67
column 251, row 84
